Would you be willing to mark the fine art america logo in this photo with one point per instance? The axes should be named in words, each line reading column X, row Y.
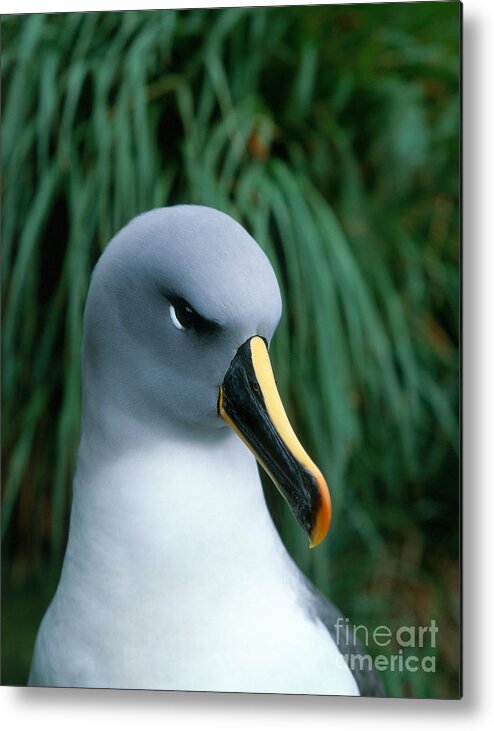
column 410, row 646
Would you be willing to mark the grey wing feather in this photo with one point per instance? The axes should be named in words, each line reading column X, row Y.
column 368, row 681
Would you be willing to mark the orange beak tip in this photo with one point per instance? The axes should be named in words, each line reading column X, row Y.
column 323, row 520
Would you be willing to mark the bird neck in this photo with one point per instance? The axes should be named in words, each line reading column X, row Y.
column 170, row 512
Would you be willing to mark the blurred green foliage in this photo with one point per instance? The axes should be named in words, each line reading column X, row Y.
column 331, row 133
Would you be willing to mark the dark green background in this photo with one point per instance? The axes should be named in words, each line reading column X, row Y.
column 332, row 134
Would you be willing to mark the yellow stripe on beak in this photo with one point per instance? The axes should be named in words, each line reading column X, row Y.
column 274, row 405
column 250, row 403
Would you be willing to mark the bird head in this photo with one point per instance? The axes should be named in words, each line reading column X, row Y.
column 181, row 310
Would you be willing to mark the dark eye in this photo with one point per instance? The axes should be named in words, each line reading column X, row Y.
column 184, row 317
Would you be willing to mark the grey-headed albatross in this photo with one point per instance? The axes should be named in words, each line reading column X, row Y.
column 174, row 575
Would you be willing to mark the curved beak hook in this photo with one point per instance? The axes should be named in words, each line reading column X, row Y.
column 250, row 403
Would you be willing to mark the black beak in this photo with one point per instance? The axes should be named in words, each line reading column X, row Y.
column 250, row 403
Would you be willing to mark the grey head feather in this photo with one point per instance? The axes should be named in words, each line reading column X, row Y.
column 138, row 368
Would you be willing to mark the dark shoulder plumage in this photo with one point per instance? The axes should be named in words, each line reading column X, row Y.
column 368, row 680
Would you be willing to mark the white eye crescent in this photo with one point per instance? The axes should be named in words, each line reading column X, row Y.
column 184, row 317
column 174, row 318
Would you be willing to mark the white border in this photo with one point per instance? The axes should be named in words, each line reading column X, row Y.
column 55, row 6
column 477, row 8
column 63, row 709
